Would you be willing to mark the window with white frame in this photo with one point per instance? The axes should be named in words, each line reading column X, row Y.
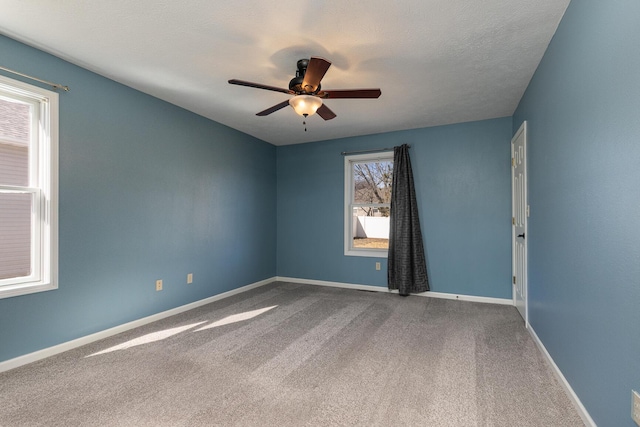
column 367, row 193
column 28, row 188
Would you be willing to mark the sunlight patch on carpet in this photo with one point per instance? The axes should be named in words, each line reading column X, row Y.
column 149, row 338
column 234, row 318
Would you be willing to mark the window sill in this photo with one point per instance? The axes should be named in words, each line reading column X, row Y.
column 9, row 291
column 373, row 253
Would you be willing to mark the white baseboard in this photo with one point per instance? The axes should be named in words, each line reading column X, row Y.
column 582, row 411
column 69, row 345
column 489, row 300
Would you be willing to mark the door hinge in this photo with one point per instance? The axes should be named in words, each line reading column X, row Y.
column 513, row 220
column 514, row 280
column 513, row 161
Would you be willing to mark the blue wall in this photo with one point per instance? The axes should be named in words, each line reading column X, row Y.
column 462, row 179
column 147, row 191
column 583, row 109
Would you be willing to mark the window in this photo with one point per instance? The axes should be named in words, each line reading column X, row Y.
column 28, row 188
column 367, row 195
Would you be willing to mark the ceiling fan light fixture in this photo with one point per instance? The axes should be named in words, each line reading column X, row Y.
column 305, row 105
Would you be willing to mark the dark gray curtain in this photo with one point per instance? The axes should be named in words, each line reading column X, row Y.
column 407, row 268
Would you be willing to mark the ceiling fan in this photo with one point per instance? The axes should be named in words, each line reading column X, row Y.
column 308, row 92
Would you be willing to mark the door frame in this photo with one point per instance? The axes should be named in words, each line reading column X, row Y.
column 521, row 131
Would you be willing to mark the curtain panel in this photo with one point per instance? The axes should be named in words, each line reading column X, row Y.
column 407, row 267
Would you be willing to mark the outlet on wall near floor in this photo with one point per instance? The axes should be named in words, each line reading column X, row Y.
column 189, row 278
column 377, row 266
column 635, row 406
column 158, row 285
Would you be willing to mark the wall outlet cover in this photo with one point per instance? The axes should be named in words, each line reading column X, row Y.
column 158, row 285
column 635, row 406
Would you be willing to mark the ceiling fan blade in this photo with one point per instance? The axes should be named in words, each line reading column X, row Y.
column 315, row 72
column 350, row 93
column 259, row 86
column 325, row 112
column 273, row 109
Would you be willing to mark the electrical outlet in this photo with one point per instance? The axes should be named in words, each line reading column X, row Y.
column 189, row 278
column 635, row 406
column 377, row 266
column 158, row 285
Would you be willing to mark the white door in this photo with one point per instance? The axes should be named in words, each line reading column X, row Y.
column 520, row 212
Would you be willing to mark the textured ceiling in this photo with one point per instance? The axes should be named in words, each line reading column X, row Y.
column 436, row 61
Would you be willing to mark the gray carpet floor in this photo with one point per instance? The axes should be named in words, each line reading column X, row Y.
column 287, row 354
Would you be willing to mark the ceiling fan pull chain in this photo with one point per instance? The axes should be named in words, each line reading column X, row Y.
column 304, row 122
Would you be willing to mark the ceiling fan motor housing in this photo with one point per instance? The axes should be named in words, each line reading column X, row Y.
column 296, row 83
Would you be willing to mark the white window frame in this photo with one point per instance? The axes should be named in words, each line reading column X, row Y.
column 43, row 184
column 349, row 160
